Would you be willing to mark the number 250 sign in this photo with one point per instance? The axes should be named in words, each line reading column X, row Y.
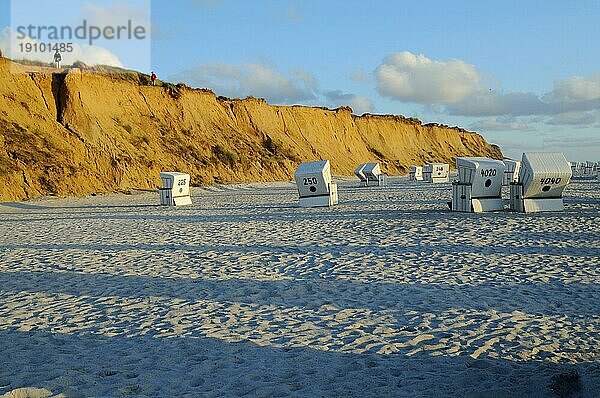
column 310, row 181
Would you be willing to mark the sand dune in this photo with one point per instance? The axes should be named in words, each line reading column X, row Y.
column 243, row 293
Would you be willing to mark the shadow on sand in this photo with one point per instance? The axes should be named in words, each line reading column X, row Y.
column 80, row 365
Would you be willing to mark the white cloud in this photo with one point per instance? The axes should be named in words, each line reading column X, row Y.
column 570, row 141
column 91, row 55
column 579, row 144
column 522, row 111
column 573, row 102
column 117, row 14
column 415, row 78
column 513, row 144
column 264, row 81
column 268, row 82
column 358, row 104
column 250, row 79
column 457, row 88
column 575, row 89
column 503, row 124
column 306, row 78
column 491, row 103
column 556, row 102
column 576, row 119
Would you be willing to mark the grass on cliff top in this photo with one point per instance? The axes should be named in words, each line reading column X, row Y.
column 39, row 64
column 121, row 73
column 115, row 72
column 142, row 79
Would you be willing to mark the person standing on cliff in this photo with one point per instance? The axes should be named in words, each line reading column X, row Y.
column 57, row 59
column 153, row 78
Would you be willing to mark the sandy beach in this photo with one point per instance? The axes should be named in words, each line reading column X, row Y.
column 245, row 294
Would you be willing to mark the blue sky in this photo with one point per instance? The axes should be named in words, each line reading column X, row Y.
column 524, row 74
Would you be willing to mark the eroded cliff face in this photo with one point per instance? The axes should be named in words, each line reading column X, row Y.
column 82, row 132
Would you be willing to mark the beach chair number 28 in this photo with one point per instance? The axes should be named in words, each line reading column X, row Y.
column 310, row 181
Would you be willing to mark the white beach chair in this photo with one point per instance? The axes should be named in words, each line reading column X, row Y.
column 315, row 187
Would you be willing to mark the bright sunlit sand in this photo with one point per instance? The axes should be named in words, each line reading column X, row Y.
column 245, row 294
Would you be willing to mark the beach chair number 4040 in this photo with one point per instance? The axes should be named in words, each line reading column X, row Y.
column 552, row 181
column 311, row 181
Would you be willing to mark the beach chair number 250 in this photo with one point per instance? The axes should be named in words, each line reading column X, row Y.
column 310, row 181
